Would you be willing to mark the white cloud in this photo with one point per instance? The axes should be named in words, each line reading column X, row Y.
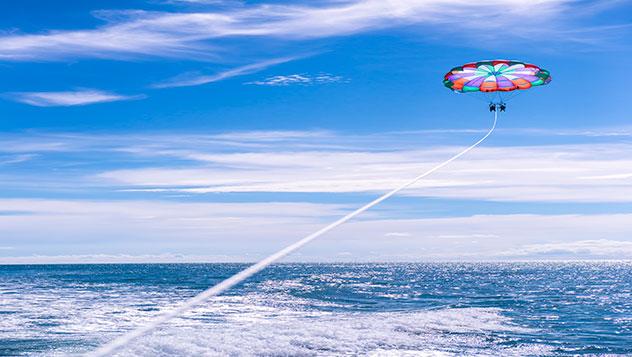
column 397, row 234
column 121, row 258
column 326, row 162
column 283, row 80
column 131, row 230
column 272, row 135
column 204, row 2
column 196, row 79
column 595, row 248
column 487, row 237
column 463, row 236
column 609, row 177
column 16, row 159
column 514, row 173
column 68, row 98
column 154, row 227
column 130, row 33
column 298, row 79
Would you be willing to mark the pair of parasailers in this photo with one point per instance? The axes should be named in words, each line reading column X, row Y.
column 500, row 106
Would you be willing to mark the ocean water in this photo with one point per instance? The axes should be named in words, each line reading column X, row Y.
column 443, row 309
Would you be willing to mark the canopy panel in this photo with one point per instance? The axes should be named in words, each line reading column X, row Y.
column 495, row 76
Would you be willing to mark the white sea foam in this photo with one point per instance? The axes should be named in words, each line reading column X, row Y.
column 313, row 312
column 243, row 326
column 266, row 323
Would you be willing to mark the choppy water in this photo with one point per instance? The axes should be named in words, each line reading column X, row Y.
column 499, row 309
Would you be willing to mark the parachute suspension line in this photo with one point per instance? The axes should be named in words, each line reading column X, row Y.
column 512, row 95
column 124, row 340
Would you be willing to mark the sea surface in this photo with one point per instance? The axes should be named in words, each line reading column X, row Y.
column 442, row 309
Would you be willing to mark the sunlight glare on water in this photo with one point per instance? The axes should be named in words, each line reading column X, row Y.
column 508, row 309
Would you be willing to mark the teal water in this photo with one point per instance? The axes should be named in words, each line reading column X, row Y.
column 499, row 309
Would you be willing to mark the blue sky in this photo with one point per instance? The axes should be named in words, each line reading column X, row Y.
column 209, row 130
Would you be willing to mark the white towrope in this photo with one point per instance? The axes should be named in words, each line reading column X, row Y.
column 122, row 341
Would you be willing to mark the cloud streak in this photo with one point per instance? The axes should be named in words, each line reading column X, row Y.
column 196, row 79
column 196, row 34
column 523, row 173
column 325, row 162
column 68, row 98
column 162, row 230
column 298, row 79
column 595, row 248
column 16, row 159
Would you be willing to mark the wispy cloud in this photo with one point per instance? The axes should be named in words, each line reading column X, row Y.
column 123, row 258
column 196, row 79
column 110, row 226
column 622, row 176
column 274, row 136
column 16, row 159
column 68, row 98
column 203, row 2
column 397, row 234
column 299, row 79
column 513, row 173
column 326, row 162
column 162, row 230
column 592, row 248
column 504, row 237
column 195, row 34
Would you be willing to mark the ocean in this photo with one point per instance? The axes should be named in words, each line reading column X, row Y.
column 433, row 309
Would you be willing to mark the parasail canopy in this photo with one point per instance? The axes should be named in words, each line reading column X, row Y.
column 495, row 76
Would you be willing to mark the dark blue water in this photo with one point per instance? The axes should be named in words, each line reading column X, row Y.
column 447, row 309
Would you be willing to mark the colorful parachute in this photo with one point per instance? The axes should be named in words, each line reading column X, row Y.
column 495, row 76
